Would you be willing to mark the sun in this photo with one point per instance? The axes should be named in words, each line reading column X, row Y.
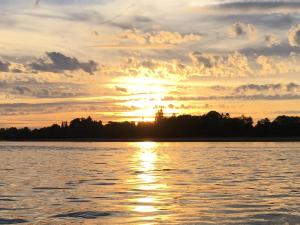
column 146, row 97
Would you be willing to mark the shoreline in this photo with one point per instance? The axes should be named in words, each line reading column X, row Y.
column 239, row 139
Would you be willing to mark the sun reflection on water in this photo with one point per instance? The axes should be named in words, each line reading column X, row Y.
column 148, row 157
column 148, row 181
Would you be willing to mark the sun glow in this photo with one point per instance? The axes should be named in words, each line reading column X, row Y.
column 146, row 97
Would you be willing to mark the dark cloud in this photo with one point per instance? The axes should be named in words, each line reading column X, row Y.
column 291, row 87
column 15, row 70
column 3, row 84
column 121, row 25
column 37, row 2
column 63, row 106
column 256, row 87
column 142, row 19
column 281, row 89
column 121, row 89
column 34, row 89
column 57, row 62
column 271, row 40
column 234, row 64
column 171, row 106
column 138, row 21
column 294, row 36
column 290, row 91
column 4, row 66
column 202, row 59
column 283, row 49
column 218, row 88
column 280, row 20
column 242, row 30
column 22, row 90
column 254, row 6
column 260, row 5
column 236, row 97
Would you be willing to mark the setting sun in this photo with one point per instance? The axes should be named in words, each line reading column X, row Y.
column 146, row 98
column 148, row 112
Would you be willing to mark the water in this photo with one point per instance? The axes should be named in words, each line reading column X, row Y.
column 149, row 183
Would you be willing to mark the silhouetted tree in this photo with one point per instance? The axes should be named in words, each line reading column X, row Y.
column 263, row 128
column 212, row 124
column 159, row 116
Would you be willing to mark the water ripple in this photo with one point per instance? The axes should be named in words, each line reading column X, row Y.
column 12, row 221
column 84, row 215
column 150, row 183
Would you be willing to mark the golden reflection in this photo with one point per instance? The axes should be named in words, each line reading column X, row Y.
column 147, row 156
column 145, row 208
column 146, row 200
column 147, row 145
column 147, row 181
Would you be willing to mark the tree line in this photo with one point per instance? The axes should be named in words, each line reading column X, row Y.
column 210, row 125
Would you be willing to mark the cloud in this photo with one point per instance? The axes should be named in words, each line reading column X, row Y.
column 14, row 86
column 292, row 87
column 283, row 50
column 142, row 19
column 37, row 2
column 158, row 37
column 121, row 89
column 22, row 90
column 269, row 91
column 294, row 36
column 266, row 21
column 259, row 88
column 252, row 91
column 249, row 7
column 143, row 67
column 204, row 60
column 274, row 97
column 272, row 40
column 4, row 66
column 239, row 29
column 230, row 65
column 111, row 105
column 57, row 62
column 201, row 64
column 135, row 47
column 277, row 65
column 265, row 63
column 166, row 37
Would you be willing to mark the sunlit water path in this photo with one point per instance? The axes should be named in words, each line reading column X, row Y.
column 149, row 183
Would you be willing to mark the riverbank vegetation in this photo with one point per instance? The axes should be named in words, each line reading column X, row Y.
column 210, row 125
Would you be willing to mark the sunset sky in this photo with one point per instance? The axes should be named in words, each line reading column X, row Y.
column 123, row 59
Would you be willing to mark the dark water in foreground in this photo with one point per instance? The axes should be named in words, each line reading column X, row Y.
column 150, row 183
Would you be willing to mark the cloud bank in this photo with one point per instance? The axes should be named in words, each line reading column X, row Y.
column 57, row 62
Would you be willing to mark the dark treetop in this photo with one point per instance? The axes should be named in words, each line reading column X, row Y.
column 210, row 125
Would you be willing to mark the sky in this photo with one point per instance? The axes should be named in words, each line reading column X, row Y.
column 119, row 60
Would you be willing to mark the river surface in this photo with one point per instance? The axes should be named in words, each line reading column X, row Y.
column 149, row 183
